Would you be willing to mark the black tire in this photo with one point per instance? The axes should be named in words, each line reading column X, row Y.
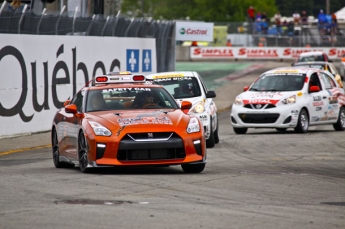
column 340, row 124
column 83, row 153
column 240, row 130
column 303, row 122
column 281, row 129
column 193, row 168
column 210, row 142
column 216, row 133
column 56, row 153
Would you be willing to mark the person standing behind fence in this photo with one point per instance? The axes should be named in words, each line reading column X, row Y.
column 296, row 18
column 251, row 13
column 15, row 5
column 304, row 18
column 277, row 19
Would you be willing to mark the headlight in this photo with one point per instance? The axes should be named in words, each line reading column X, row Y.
column 99, row 129
column 198, row 108
column 238, row 100
column 289, row 100
column 193, row 125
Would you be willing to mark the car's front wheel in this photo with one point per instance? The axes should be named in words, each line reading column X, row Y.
column 340, row 124
column 303, row 122
column 83, row 153
column 193, row 168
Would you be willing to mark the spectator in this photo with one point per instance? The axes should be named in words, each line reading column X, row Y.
column 334, row 17
column 277, row 19
column 264, row 16
column 228, row 43
column 304, row 18
column 251, row 13
column 258, row 16
column 15, row 5
column 296, row 18
column 322, row 20
column 194, row 43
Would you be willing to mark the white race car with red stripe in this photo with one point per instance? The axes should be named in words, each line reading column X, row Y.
column 290, row 98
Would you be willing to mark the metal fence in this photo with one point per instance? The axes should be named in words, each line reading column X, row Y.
column 62, row 23
column 254, row 34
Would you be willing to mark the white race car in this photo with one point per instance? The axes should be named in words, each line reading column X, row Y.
column 290, row 98
column 189, row 86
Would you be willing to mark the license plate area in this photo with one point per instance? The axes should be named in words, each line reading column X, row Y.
column 145, row 154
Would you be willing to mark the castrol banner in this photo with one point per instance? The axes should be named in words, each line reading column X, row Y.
column 194, row 31
column 259, row 52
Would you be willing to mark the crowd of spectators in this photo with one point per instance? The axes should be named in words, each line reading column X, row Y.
column 259, row 24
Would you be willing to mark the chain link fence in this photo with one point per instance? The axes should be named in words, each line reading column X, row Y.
column 70, row 23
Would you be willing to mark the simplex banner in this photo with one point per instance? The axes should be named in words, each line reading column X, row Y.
column 259, row 52
column 38, row 73
column 194, row 31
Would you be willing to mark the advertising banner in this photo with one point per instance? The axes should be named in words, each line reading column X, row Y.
column 38, row 73
column 194, row 31
column 259, row 52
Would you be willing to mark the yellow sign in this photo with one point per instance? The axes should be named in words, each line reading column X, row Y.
column 219, row 35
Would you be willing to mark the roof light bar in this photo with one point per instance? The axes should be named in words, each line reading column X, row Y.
column 120, row 77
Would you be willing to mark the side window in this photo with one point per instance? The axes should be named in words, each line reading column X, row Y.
column 329, row 83
column 315, row 81
column 78, row 100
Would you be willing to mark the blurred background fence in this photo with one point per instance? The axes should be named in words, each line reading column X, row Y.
column 25, row 21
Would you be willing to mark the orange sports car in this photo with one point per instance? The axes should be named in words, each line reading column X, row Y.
column 122, row 120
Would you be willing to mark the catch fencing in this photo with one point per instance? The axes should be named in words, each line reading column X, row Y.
column 71, row 23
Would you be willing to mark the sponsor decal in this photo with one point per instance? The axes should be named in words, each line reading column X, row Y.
column 317, row 98
column 260, row 101
column 144, row 121
column 168, row 76
column 318, row 103
column 318, row 108
column 299, row 94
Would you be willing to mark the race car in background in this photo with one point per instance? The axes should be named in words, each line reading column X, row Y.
column 290, row 97
column 189, row 86
column 322, row 65
column 125, row 121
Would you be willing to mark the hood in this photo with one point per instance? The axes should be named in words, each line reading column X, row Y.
column 193, row 100
column 141, row 120
column 252, row 97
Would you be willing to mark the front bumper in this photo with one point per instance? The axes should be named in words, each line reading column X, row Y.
column 279, row 117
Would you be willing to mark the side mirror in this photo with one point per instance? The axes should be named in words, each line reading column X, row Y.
column 314, row 89
column 185, row 106
column 211, row 94
column 66, row 102
column 71, row 108
column 246, row 88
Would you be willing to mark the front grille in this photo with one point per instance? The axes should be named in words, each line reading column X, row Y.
column 259, row 106
column 258, row 118
column 155, row 146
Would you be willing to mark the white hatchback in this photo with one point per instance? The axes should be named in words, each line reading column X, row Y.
column 189, row 86
column 290, row 98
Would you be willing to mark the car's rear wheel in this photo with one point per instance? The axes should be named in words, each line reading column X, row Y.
column 83, row 153
column 216, row 133
column 281, row 129
column 303, row 122
column 193, row 168
column 340, row 124
column 240, row 130
column 56, row 153
column 210, row 142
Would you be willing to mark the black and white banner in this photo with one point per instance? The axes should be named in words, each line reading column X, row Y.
column 38, row 73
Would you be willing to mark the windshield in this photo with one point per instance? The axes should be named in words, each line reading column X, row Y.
column 181, row 87
column 279, row 82
column 129, row 98
column 311, row 58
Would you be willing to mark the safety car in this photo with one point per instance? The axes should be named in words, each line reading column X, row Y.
column 290, row 97
column 189, row 86
column 121, row 120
